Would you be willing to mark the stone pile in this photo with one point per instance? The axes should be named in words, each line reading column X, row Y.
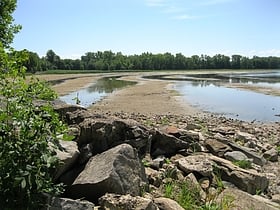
column 119, row 163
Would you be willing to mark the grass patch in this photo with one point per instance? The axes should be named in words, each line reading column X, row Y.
column 245, row 164
column 188, row 196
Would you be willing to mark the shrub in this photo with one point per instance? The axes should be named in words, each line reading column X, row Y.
column 27, row 160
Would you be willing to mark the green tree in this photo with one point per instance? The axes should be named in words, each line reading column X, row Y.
column 7, row 28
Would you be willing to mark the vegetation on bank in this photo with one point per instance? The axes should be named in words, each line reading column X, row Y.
column 110, row 61
column 28, row 132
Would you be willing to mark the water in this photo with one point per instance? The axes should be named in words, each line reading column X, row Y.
column 207, row 93
column 229, row 102
column 96, row 92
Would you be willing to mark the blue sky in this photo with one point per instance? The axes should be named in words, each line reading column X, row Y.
column 74, row 27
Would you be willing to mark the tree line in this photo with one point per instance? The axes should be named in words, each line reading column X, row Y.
column 110, row 61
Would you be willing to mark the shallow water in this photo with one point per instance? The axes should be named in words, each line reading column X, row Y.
column 207, row 93
column 229, row 102
column 96, row 92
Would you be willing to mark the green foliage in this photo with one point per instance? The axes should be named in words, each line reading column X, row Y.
column 28, row 136
column 189, row 197
column 245, row 164
column 184, row 193
column 7, row 28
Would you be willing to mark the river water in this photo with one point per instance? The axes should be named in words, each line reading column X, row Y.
column 207, row 92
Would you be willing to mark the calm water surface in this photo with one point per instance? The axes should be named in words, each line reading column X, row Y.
column 97, row 91
column 206, row 93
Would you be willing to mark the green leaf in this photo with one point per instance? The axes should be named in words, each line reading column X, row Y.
column 23, row 183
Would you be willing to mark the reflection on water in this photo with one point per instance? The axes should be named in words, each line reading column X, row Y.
column 96, row 91
column 206, row 91
column 233, row 103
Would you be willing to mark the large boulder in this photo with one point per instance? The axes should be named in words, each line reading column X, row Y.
column 68, row 156
column 104, row 134
column 165, row 144
column 55, row 203
column 126, row 202
column 117, row 170
column 204, row 164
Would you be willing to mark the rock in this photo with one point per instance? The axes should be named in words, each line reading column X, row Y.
column 247, row 180
column 157, row 162
column 235, row 156
column 216, row 147
column 117, row 170
column 77, row 116
column 235, row 199
column 68, row 156
column 153, row 176
column 224, row 130
column 257, row 159
column 244, row 137
column 271, row 155
column 195, row 163
column 204, row 183
column 164, row 144
column 104, row 134
column 55, row 203
column 126, row 202
column 193, row 126
column 189, row 136
column 167, row 204
column 194, row 184
column 62, row 108
column 172, row 130
column 276, row 198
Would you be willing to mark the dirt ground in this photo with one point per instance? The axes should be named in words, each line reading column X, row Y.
column 147, row 97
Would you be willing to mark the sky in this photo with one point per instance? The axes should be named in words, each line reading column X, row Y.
column 191, row 27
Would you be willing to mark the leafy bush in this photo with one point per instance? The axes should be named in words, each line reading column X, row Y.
column 28, row 135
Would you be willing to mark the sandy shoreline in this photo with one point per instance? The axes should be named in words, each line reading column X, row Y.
column 152, row 97
column 146, row 97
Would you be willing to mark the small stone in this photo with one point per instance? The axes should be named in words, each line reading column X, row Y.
column 204, row 183
column 235, row 156
column 271, row 155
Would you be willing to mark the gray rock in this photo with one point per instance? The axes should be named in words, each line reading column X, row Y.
column 117, row 170
column 245, row 137
column 235, row 156
column 271, row 155
column 164, row 144
column 126, row 202
column 194, row 184
column 242, row 200
column 216, row 147
column 55, row 203
column 167, row 204
column 276, row 198
column 68, row 156
column 224, row 130
column 195, row 163
column 247, row 180
column 257, row 159
column 104, row 134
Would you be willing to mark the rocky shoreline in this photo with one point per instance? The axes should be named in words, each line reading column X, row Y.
column 130, row 160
